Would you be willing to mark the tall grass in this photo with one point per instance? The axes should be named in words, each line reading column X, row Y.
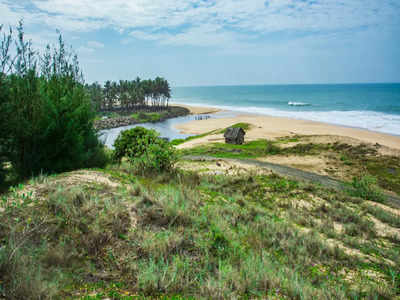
column 366, row 187
column 182, row 234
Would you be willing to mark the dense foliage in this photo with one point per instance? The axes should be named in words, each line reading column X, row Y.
column 46, row 114
column 144, row 149
column 128, row 95
column 4, row 100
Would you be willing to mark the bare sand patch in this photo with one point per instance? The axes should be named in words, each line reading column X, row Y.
column 316, row 164
column 75, row 178
column 384, row 230
column 209, row 139
column 348, row 250
column 87, row 177
column 356, row 252
column 331, row 139
column 221, row 167
column 198, row 110
column 385, row 207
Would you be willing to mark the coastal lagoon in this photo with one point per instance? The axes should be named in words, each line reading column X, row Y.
column 167, row 128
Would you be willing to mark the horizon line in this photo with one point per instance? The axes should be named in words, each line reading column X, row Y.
column 283, row 84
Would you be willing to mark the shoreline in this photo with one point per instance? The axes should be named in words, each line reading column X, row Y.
column 198, row 110
column 264, row 126
column 173, row 111
column 330, row 114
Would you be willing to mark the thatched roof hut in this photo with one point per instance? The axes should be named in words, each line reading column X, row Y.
column 234, row 135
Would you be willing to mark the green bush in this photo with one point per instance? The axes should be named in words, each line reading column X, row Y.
column 271, row 148
column 145, row 150
column 366, row 187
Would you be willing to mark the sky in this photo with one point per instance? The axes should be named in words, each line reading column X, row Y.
column 221, row 42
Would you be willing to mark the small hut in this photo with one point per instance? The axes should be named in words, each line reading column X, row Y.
column 234, row 135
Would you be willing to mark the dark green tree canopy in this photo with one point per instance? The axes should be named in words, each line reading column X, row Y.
column 46, row 116
column 130, row 95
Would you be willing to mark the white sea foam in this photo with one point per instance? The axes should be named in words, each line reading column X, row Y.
column 370, row 120
column 290, row 103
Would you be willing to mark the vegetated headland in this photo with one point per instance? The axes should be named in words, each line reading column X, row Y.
column 179, row 219
column 131, row 102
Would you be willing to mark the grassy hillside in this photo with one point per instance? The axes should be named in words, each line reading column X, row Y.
column 95, row 234
column 338, row 158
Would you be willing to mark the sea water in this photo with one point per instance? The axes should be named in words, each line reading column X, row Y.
column 374, row 107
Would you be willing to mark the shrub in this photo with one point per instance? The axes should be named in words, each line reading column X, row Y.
column 271, row 148
column 144, row 149
column 366, row 187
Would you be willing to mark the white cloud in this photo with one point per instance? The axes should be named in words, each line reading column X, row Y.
column 85, row 50
column 90, row 47
column 206, row 23
column 95, row 44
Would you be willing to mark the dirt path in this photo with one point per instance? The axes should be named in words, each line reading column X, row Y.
column 289, row 172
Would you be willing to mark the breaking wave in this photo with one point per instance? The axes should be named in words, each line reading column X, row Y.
column 370, row 120
column 290, row 103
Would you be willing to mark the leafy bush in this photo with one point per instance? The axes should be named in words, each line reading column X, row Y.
column 271, row 148
column 144, row 149
column 48, row 115
column 366, row 187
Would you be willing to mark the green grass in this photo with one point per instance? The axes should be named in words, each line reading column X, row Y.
column 247, row 150
column 383, row 215
column 366, row 187
column 181, row 235
column 387, row 171
column 244, row 126
column 363, row 159
column 253, row 149
column 143, row 117
column 289, row 139
column 176, row 142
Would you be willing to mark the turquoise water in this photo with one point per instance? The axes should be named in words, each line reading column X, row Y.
column 370, row 106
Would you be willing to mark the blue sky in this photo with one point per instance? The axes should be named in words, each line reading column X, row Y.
column 222, row 42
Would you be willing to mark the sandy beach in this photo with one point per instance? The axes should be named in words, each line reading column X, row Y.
column 273, row 127
column 198, row 110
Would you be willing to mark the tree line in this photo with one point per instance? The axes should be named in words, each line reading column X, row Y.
column 130, row 95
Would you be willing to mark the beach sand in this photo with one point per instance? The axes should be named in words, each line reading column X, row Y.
column 266, row 127
column 197, row 110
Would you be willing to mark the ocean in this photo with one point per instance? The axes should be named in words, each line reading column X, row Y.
column 374, row 107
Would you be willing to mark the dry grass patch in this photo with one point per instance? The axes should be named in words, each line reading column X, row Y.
column 385, row 230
